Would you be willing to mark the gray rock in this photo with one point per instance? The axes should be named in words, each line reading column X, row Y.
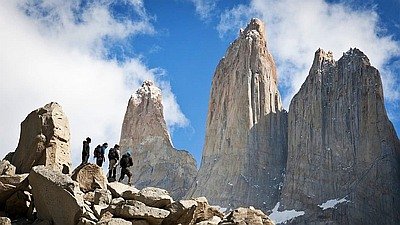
column 138, row 210
column 246, row 216
column 119, row 189
column 144, row 134
column 342, row 144
column 154, row 197
column 114, row 221
column 44, row 140
column 90, row 177
column 56, row 196
column 85, row 221
column 6, row 168
column 102, row 197
column 5, row 221
column 244, row 156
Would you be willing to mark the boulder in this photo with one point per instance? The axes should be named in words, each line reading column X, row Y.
column 9, row 184
column 246, row 216
column 204, row 211
column 139, row 222
column 133, row 209
column 85, row 221
column 213, row 221
column 102, row 197
column 89, row 197
column 97, row 210
column 181, row 212
column 18, row 204
column 114, row 221
column 118, row 189
column 154, row 197
column 44, row 140
column 57, row 197
column 6, row 168
column 90, row 177
column 5, row 221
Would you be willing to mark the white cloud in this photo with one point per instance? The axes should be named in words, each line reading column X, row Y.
column 52, row 58
column 204, row 8
column 296, row 29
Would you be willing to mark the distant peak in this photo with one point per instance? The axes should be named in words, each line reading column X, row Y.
column 321, row 57
column 356, row 53
column 148, row 90
column 255, row 26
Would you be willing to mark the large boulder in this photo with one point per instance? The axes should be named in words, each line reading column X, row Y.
column 131, row 210
column 114, row 221
column 192, row 212
column 154, row 197
column 9, row 184
column 18, row 204
column 56, row 196
column 6, row 168
column 249, row 215
column 122, row 190
column 90, row 177
column 44, row 140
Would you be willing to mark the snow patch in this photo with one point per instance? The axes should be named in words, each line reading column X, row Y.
column 332, row 203
column 284, row 216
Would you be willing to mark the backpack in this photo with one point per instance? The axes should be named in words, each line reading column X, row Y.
column 113, row 154
column 97, row 152
column 124, row 161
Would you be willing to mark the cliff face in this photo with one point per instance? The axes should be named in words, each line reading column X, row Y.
column 245, row 147
column 342, row 145
column 144, row 133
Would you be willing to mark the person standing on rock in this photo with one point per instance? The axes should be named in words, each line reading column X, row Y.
column 99, row 154
column 113, row 157
column 126, row 161
column 86, row 150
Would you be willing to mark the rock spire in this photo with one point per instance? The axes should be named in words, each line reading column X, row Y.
column 342, row 145
column 245, row 147
column 144, row 133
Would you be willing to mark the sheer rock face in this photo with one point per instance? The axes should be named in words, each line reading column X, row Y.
column 44, row 140
column 144, row 133
column 246, row 135
column 342, row 143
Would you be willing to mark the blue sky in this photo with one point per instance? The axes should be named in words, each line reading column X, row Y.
column 91, row 55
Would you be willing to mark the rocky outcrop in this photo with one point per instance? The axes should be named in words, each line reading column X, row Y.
column 89, row 177
column 44, row 140
column 6, row 168
column 245, row 147
column 246, row 216
column 144, row 134
column 342, row 145
column 57, row 197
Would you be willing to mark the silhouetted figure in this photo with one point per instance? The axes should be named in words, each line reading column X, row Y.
column 113, row 157
column 86, row 150
column 99, row 154
column 126, row 161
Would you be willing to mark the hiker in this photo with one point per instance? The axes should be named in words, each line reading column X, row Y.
column 126, row 161
column 99, row 154
column 86, row 150
column 113, row 157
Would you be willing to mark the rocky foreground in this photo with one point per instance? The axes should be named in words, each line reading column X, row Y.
column 47, row 196
column 39, row 189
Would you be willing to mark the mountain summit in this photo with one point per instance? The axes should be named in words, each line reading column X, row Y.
column 144, row 134
column 245, row 147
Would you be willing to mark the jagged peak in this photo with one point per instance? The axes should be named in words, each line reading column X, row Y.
column 356, row 53
column 148, row 90
column 256, row 26
column 321, row 57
